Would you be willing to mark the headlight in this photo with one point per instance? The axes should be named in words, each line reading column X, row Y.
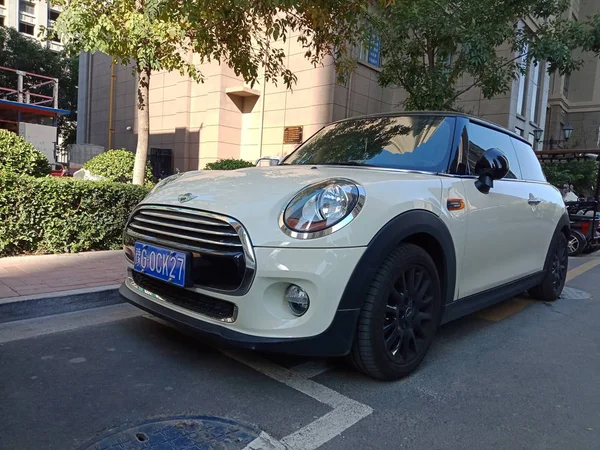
column 162, row 183
column 322, row 208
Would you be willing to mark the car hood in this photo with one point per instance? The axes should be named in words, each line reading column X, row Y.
column 257, row 196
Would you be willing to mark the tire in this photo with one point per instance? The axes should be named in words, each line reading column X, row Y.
column 400, row 315
column 577, row 243
column 556, row 273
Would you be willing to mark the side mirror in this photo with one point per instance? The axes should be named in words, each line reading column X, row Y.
column 268, row 161
column 493, row 165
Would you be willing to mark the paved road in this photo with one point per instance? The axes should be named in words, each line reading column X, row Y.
column 523, row 375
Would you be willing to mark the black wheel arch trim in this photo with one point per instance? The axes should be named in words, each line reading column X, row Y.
column 390, row 236
column 563, row 224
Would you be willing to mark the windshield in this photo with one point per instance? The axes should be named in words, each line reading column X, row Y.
column 408, row 142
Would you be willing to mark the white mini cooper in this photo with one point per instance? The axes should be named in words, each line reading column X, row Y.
column 361, row 242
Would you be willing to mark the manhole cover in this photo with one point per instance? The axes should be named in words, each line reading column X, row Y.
column 574, row 294
column 189, row 433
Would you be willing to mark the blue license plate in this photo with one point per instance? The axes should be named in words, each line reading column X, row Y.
column 161, row 263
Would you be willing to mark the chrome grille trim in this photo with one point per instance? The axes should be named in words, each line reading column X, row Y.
column 165, row 224
column 185, row 218
column 185, row 236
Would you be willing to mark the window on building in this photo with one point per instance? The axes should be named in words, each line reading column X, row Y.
column 27, row 7
column 2, row 2
column 53, row 15
column 1, row 21
column 566, row 83
column 519, row 131
column 481, row 139
column 370, row 53
column 523, row 81
column 26, row 28
column 537, row 77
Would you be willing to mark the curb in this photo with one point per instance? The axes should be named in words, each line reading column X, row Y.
column 30, row 306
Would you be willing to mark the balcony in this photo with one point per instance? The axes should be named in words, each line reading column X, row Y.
column 55, row 46
column 26, row 18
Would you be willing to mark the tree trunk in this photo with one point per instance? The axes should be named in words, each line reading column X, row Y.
column 143, row 126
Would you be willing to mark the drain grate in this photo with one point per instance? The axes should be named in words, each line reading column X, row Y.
column 190, row 433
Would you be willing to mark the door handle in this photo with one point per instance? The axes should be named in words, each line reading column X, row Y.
column 534, row 201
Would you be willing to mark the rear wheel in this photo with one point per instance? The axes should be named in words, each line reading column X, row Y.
column 556, row 274
column 577, row 243
column 400, row 315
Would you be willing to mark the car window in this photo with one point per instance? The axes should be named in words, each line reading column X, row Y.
column 481, row 139
column 530, row 166
column 405, row 142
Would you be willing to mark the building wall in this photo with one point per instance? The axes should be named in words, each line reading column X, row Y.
column 13, row 15
column 575, row 100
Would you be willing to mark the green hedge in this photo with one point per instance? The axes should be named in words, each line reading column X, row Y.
column 20, row 157
column 61, row 215
column 228, row 164
column 117, row 165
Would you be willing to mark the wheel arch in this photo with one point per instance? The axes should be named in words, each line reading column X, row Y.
column 419, row 227
column 563, row 226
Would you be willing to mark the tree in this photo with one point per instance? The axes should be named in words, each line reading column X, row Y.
column 427, row 46
column 22, row 53
column 581, row 174
column 157, row 35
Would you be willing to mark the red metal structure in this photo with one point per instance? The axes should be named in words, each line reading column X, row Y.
column 29, row 100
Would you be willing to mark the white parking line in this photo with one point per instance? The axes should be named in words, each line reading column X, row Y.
column 346, row 411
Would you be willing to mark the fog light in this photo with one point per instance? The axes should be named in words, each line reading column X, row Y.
column 297, row 299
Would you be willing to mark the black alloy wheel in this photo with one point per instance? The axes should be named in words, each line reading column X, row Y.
column 555, row 276
column 400, row 315
column 560, row 262
column 408, row 321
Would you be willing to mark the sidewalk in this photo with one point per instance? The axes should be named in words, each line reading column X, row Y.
column 31, row 275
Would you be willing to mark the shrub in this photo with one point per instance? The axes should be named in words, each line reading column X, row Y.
column 20, row 157
column 116, row 165
column 228, row 164
column 61, row 215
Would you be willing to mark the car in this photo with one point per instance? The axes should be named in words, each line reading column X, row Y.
column 58, row 170
column 360, row 243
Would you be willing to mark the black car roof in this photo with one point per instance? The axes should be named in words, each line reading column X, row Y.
column 445, row 114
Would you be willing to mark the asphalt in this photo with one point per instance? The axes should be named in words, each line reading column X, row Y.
column 526, row 381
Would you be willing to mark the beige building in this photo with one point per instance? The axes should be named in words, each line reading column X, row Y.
column 29, row 16
column 224, row 117
column 575, row 99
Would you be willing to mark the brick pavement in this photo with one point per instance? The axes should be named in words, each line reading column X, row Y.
column 41, row 274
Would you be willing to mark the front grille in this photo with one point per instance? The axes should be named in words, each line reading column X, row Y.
column 219, row 258
column 193, row 229
column 192, row 301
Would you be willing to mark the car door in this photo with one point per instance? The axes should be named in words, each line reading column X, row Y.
column 501, row 227
column 545, row 201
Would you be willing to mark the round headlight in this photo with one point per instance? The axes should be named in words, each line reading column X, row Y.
column 318, row 208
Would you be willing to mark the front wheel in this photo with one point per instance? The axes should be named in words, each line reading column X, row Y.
column 400, row 315
column 556, row 274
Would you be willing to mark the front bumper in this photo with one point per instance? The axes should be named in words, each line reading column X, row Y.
column 263, row 320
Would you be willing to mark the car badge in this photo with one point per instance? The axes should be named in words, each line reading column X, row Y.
column 184, row 198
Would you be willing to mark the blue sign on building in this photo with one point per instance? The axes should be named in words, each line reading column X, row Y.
column 375, row 52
